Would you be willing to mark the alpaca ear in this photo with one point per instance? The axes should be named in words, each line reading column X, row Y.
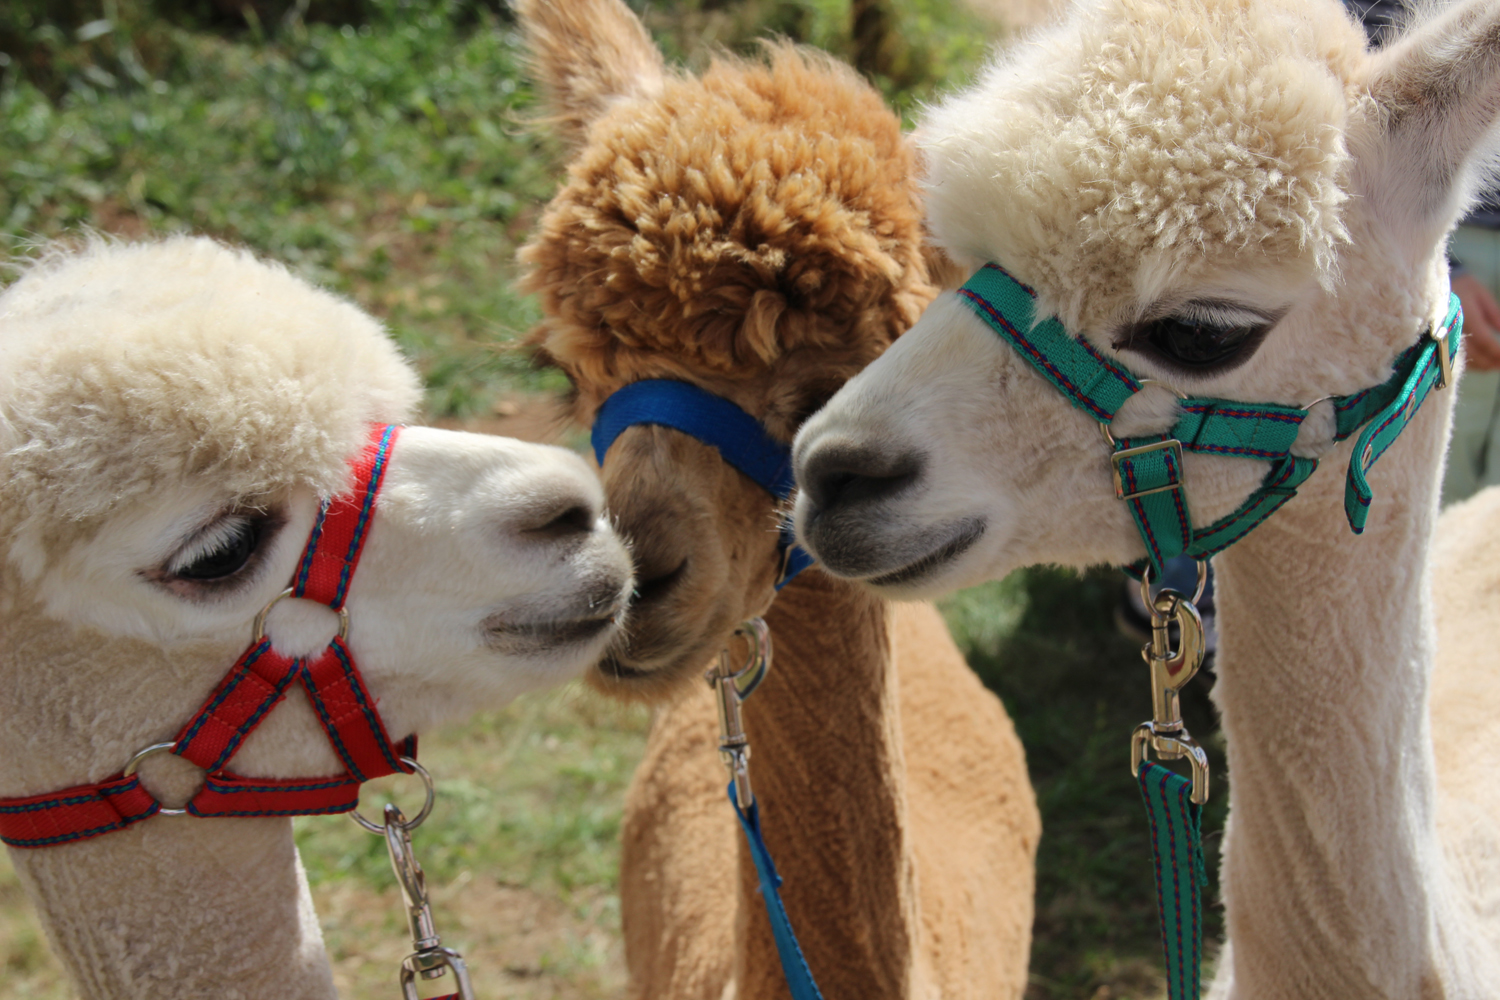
column 586, row 55
column 1438, row 88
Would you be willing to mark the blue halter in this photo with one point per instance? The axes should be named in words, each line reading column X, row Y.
column 742, row 441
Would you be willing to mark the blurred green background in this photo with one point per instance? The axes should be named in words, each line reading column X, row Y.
column 383, row 148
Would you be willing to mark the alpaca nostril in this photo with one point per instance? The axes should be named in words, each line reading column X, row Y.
column 571, row 519
column 844, row 476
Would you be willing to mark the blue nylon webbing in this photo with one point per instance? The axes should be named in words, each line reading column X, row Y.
column 799, row 978
column 711, row 419
column 740, row 439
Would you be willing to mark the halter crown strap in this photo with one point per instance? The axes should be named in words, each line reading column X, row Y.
column 741, row 439
column 254, row 685
column 1148, row 469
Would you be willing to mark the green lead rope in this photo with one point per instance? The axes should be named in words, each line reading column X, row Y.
column 1177, row 846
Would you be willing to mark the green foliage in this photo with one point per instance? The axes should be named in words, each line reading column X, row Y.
column 387, row 161
column 927, row 45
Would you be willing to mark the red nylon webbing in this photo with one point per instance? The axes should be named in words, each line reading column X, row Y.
column 226, row 794
column 347, row 712
column 256, row 683
column 325, row 570
column 75, row 813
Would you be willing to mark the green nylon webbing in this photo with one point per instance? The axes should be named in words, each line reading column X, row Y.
column 1177, row 847
column 1389, row 421
column 1151, row 481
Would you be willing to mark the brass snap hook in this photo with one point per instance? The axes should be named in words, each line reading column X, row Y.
column 1170, row 671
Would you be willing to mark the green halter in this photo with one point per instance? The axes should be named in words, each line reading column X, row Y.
column 1148, row 470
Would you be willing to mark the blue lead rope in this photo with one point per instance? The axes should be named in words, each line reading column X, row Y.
column 799, row 978
column 741, row 439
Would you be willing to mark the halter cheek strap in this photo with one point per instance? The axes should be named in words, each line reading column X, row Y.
column 741, row 440
column 1148, row 469
column 257, row 683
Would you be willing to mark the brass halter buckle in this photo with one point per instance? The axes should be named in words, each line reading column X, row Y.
column 1170, row 671
column 732, row 687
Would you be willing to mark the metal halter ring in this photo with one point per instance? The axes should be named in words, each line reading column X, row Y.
column 260, row 619
column 415, row 821
column 1197, row 594
column 135, row 762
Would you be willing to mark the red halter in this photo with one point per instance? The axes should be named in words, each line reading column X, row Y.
column 255, row 685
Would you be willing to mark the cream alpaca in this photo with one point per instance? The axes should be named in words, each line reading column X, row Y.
column 170, row 414
column 1232, row 196
column 755, row 232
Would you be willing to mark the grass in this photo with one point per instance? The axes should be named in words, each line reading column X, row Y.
column 387, row 161
column 390, row 160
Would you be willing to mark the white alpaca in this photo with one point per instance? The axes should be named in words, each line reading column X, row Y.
column 1234, row 197
column 170, row 414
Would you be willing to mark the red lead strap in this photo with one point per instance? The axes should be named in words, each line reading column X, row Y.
column 254, row 685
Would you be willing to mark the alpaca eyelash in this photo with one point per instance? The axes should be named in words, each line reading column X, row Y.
column 1221, row 314
column 208, row 539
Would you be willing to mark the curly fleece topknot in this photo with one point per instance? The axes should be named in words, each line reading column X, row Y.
column 1143, row 142
column 129, row 369
column 730, row 219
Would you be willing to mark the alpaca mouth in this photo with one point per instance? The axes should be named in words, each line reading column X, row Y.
column 555, row 632
column 969, row 533
column 615, row 669
column 539, row 638
column 519, row 633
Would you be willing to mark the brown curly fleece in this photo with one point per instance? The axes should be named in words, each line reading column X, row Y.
column 728, row 223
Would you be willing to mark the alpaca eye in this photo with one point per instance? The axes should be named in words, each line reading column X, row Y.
column 1197, row 344
column 1200, row 337
column 221, row 551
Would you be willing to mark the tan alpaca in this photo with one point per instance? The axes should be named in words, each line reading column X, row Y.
column 169, row 415
column 755, row 232
column 1234, row 197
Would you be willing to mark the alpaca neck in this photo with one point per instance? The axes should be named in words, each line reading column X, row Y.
column 173, row 907
column 1332, row 872
column 179, row 907
column 837, row 832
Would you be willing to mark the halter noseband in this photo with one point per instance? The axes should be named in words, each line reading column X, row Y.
column 1148, row 469
column 254, row 685
column 741, row 440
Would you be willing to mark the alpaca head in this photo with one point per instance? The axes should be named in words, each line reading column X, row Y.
column 1231, row 197
column 170, row 415
column 752, row 231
